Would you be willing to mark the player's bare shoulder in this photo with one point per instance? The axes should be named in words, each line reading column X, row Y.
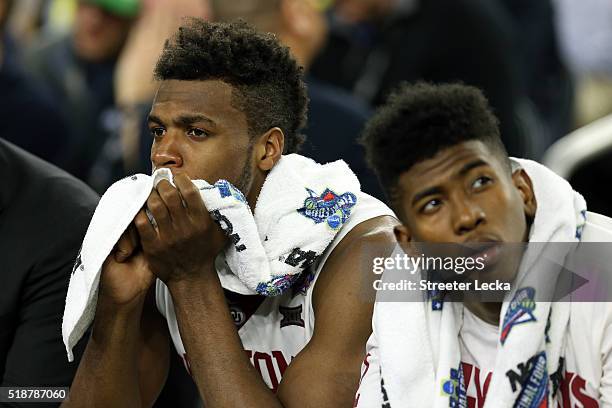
column 350, row 261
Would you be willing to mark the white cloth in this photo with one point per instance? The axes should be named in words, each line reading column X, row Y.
column 419, row 357
column 301, row 207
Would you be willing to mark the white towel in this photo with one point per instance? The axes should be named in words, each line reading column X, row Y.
column 301, row 207
column 420, row 354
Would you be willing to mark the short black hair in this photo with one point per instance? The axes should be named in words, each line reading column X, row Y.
column 420, row 120
column 267, row 81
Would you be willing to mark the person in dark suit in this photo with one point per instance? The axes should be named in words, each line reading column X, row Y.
column 44, row 213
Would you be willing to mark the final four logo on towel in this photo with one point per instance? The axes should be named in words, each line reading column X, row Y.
column 519, row 311
column 328, row 207
column 534, row 387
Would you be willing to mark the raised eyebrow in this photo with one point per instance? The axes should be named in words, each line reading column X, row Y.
column 427, row 192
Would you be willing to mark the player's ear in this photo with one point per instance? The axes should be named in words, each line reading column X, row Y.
column 405, row 239
column 402, row 234
column 523, row 184
column 268, row 148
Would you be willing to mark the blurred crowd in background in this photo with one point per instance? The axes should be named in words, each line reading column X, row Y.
column 76, row 75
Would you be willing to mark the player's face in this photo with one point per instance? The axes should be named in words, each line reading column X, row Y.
column 464, row 195
column 197, row 131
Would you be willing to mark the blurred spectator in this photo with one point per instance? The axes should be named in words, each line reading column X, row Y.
column 79, row 68
column 102, row 74
column 585, row 33
column 44, row 213
column 25, row 19
column 28, row 116
column 335, row 118
column 375, row 44
column 546, row 78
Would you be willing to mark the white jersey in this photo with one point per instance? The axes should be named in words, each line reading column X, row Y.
column 281, row 326
column 586, row 376
column 581, row 381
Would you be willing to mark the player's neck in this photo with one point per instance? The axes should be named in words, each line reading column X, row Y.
column 257, row 184
column 485, row 311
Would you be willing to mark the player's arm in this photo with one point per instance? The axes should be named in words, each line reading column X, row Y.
column 125, row 363
column 219, row 366
column 181, row 252
column 327, row 372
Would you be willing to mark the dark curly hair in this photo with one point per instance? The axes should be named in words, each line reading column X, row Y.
column 422, row 119
column 268, row 84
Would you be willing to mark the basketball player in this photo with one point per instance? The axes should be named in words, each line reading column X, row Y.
column 230, row 102
column 437, row 152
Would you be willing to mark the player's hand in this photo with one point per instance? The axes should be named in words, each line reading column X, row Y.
column 186, row 240
column 127, row 244
column 124, row 283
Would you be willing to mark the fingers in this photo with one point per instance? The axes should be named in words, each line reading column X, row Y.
column 176, row 212
column 146, row 231
column 159, row 212
column 191, row 195
column 168, row 208
column 170, row 196
column 126, row 245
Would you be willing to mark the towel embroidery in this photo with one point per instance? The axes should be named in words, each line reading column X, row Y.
column 226, row 189
column 454, row 388
column 580, row 225
column 533, row 382
column 303, row 283
column 78, row 264
column 228, row 228
column 277, row 285
column 519, row 311
column 328, row 207
column 297, row 257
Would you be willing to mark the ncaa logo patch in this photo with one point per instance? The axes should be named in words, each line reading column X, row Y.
column 519, row 311
column 328, row 207
column 454, row 388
